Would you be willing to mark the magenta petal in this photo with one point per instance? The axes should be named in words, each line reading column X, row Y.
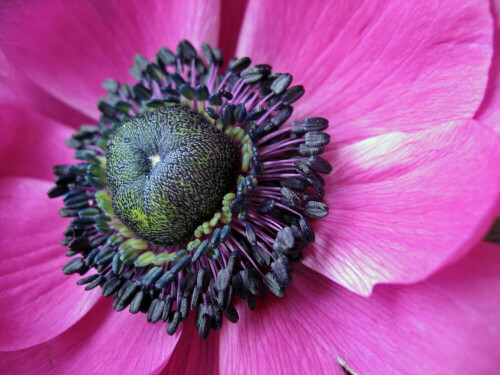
column 373, row 67
column 17, row 89
column 403, row 205
column 232, row 14
column 31, row 144
column 193, row 356
column 38, row 300
column 102, row 342
column 489, row 112
column 69, row 48
column 447, row 324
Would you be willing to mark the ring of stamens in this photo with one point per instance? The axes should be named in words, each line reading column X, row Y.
column 262, row 226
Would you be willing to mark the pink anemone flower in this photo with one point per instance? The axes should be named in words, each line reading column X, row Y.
column 397, row 279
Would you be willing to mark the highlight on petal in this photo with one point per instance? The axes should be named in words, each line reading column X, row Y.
column 404, row 205
column 38, row 300
column 70, row 48
column 489, row 111
column 374, row 67
column 447, row 324
column 102, row 342
column 31, row 144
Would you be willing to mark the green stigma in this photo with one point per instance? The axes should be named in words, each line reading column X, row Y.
column 168, row 172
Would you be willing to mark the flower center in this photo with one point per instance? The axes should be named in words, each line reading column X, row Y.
column 168, row 172
column 193, row 189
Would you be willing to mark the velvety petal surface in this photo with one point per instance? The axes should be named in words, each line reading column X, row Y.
column 70, row 48
column 31, row 144
column 38, row 300
column 403, row 205
column 373, row 67
column 489, row 112
column 232, row 14
column 447, row 324
column 193, row 356
column 102, row 342
column 17, row 89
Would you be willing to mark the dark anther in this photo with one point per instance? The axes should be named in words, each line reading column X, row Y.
column 240, row 112
column 251, row 283
column 266, row 206
column 87, row 279
column 215, row 99
column 238, row 65
column 187, row 91
column 256, row 113
column 319, row 164
column 231, row 313
column 208, row 53
column 281, row 271
column 151, row 310
column 141, row 92
column 307, row 229
column 186, row 50
column 226, row 94
column 294, row 183
column 75, row 265
column 251, row 236
column 152, row 276
column 316, row 209
column 233, row 264
column 291, row 197
column 204, row 327
column 273, row 284
column 135, row 305
column 202, row 92
column 291, row 95
column 166, row 279
column 166, row 56
column 179, row 81
column 169, row 301
column 285, row 241
column 281, row 83
column 173, row 323
column 317, row 139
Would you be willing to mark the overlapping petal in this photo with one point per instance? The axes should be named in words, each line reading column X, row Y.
column 489, row 111
column 31, row 144
column 373, row 67
column 38, row 300
column 193, row 356
column 70, row 48
column 447, row 324
column 403, row 205
column 18, row 90
column 102, row 342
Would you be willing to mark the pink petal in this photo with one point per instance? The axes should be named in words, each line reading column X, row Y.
column 31, row 144
column 489, row 112
column 232, row 13
column 193, row 356
column 373, row 67
column 447, row 324
column 70, row 48
column 103, row 342
column 38, row 300
column 17, row 89
column 403, row 205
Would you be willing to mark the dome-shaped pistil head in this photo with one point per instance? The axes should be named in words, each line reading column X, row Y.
column 168, row 171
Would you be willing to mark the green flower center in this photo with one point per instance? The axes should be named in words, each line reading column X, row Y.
column 168, row 172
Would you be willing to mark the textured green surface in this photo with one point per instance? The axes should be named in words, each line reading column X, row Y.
column 164, row 204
